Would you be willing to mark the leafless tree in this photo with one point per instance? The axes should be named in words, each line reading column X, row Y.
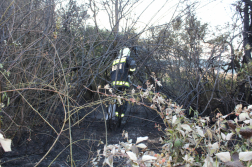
column 53, row 61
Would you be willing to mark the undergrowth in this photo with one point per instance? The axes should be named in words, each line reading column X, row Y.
column 196, row 141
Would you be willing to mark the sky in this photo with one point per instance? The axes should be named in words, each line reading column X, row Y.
column 156, row 12
column 216, row 12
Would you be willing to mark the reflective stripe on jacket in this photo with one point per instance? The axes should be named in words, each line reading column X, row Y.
column 120, row 83
column 121, row 68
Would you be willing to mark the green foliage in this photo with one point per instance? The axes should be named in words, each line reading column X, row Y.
column 245, row 72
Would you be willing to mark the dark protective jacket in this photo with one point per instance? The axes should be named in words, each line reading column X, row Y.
column 121, row 68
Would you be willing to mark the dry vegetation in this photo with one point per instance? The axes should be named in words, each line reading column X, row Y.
column 188, row 142
column 52, row 63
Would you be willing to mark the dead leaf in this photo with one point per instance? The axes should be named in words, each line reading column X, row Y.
column 224, row 156
column 209, row 134
column 231, row 124
column 141, row 145
column 132, row 155
column 186, row 127
column 243, row 116
column 148, row 158
column 245, row 156
column 140, row 139
column 6, row 144
column 200, row 131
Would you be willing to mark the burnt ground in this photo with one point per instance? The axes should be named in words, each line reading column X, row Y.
column 29, row 147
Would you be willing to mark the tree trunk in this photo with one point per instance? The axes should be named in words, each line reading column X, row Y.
column 246, row 43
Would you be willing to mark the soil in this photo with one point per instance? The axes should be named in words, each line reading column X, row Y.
column 31, row 146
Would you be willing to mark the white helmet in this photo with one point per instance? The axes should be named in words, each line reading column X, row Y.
column 125, row 52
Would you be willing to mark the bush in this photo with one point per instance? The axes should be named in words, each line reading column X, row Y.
column 189, row 142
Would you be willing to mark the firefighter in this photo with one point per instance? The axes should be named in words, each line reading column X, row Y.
column 123, row 66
